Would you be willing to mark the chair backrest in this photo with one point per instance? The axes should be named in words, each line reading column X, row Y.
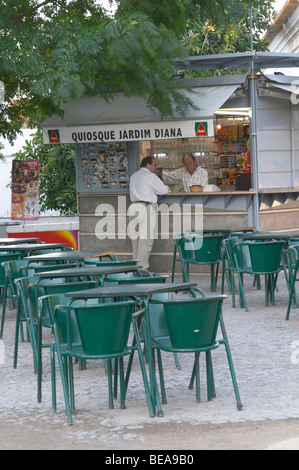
column 102, row 330
column 48, row 303
column 115, row 278
column 265, row 256
column 199, row 249
column 51, row 288
column 13, row 270
column 23, row 295
column 193, row 323
column 4, row 258
column 159, row 327
column 242, row 253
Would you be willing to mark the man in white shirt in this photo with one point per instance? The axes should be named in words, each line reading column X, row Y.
column 190, row 175
column 145, row 187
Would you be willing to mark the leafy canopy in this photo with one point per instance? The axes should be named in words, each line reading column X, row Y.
column 52, row 50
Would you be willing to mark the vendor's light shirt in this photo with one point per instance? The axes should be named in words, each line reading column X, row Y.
column 198, row 177
column 146, row 186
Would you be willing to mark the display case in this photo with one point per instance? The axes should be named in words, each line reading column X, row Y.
column 233, row 148
column 105, row 168
column 169, row 154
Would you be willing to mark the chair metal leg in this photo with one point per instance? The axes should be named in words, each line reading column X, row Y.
column 65, row 388
column 110, row 388
column 122, row 383
column 143, row 370
column 71, row 384
column 161, row 376
column 173, row 263
column 115, row 372
column 210, row 376
column 53, row 378
column 197, row 377
column 230, row 362
column 176, row 360
column 4, row 307
column 292, row 291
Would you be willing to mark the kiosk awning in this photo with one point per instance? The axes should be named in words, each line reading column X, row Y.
column 272, row 85
column 92, row 119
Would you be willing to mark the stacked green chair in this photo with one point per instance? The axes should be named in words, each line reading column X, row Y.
column 193, row 324
column 6, row 257
column 28, row 293
column 196, row 249
column 258, row 258
column 45, row 319
column 293, row 266
column 230, row 269
column 13, row 270
column 92, row 332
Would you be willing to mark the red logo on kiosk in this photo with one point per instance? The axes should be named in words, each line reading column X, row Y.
column 54, row 136
column 201, row 129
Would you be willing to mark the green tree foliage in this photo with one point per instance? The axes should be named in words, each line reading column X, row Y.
column 220, row 26
column 57, row 174
column 51, row 51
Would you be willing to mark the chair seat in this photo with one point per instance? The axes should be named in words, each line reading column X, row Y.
column 164, row 343
column 78, row 352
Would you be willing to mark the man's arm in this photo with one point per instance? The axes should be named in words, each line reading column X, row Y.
column 175, row 175
column 158, row 186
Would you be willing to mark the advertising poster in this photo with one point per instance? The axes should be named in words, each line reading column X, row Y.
column 25, row 190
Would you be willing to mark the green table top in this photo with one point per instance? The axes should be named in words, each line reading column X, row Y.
column 269, row 236
column 64, row 256
column 227, row 230
column 15, row 241
column 132, row 290
column 87, row 271
column 28, row 247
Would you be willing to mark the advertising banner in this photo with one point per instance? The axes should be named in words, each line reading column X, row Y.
column 25, row 190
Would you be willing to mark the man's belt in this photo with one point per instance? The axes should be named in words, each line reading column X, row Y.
column 142, row 202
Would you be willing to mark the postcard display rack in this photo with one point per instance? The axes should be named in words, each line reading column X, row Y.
column 234, row 151
column 104, row 166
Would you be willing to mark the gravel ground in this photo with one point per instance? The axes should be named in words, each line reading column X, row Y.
column 265, row 351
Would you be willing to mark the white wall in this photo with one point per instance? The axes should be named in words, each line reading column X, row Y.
column 287, row 40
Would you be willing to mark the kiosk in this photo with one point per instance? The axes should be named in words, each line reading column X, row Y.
column 244, row 129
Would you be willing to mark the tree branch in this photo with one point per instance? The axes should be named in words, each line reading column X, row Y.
column 28, row 12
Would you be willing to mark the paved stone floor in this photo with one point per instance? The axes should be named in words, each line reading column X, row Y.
column 265, row 349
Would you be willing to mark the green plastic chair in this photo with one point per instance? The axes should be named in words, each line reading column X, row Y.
column 5, row 257
column 196, row 249
column 230, row 270
column 28, row 293
column 46, row 307
column 259, row 258
column 13, row 270
column 293, row 267
column 92, row 332
column 193, row 324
